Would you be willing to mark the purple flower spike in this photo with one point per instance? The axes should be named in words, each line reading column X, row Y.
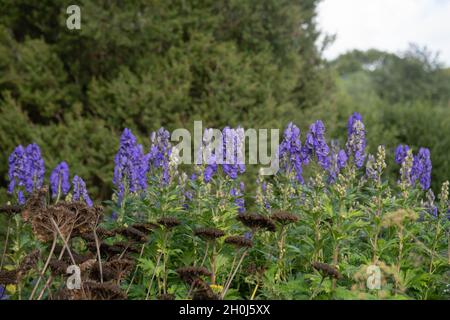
column 400, row 153
column 131, row 165
column 290, row 152
column 80, row 192
column 356, row 143
column 59, row 180
column 316, row 144
column 421, row 169
column 36, row 168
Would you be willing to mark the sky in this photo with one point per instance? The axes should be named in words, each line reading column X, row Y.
column 389, row 25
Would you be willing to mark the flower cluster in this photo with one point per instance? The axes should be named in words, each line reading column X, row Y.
column 59, row 180
column 80, row 192
column 290, row 152
column 337, row 161
column 160, row 153
column 400, row 153
column 356, row 143
column 421, row 169
column 315, row 144
column 238, row 194
column 131, row 165
column 26, row 171
column 233, row 157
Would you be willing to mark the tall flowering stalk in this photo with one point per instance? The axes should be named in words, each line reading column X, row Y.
column 290, row 152
column 233, row 157
column 131, row 166
column 80, row 192
column 337, row 161
column 160, row 152
column 315, row 144
column 59, row 181
column 421, row 169
column 26, row 171
column 401, row 153
column 356, row 143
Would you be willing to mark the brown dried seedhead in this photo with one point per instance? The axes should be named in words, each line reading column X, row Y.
column 189, row 274
column 203, row 291
column 209, row 233
column 239, row 241
column 327, row 270
column 169, row 222
column 284, row 217
column 256, row 221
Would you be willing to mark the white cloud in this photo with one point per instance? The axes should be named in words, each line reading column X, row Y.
column 386, row 25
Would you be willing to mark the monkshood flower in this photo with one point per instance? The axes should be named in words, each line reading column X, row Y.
column 36, row 167
column 337, row 160
column 59, row 180
column 160, row 152
column 351, row 120
column 429, row 204
column 233, row 160
column 375, row 167
column 356, row 143
column 238, row 199
column 131, row 165
column 80, row 192
column 290, row 152
column 400, row 153
column 18, row 172
column 3, row 295
column 421, row 169
column 315, row 144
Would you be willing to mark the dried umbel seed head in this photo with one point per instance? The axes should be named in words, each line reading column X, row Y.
column 169, row 222
column 145, row 227
column 110, row 250
column 327, row 270
column 8, row 277
column 209, row 233
column 29, row 262
column 239, row 241
column 203, row 291
column 99, row 291
column 11, row 209
column 35, row 204
column 256, row 269
column 132, row 234
column 284, row 217
column 166, row 296
column 112, row 270
column 43, row 223
column 58, row 267
column 256, row 221
column 189, row 274
column 102, row 234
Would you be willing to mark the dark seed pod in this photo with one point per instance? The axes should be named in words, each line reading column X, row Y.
column 189, row 274
column 327, row 270
column 203, row 291
column 209, row 233
column 169, row 222
column 58, row 267
column 28, row 263
column 166, row 296
column 284, row 217
column 239, row 241
column 256, row 221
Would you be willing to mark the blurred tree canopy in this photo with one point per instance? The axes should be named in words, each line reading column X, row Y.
column 143, row 64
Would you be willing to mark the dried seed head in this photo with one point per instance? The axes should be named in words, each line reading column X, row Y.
column 239, row 241
column 209, row 233
column 284, row 217
column 189, row 274
column 327, row 270
column 256, row 221
column 169, row 222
